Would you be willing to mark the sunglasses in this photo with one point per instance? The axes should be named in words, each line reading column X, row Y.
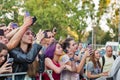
column 30, row 33
column 50, row 37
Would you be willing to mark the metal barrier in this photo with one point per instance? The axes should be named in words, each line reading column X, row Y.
column 49, row 72
column 12, row 74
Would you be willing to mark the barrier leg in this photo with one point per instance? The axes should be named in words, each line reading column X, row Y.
column 40, row 77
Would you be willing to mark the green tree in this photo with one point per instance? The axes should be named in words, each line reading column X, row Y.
column 57, row 13
column 9, row 10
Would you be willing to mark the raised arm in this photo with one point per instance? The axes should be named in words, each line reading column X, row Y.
column 17, row 37
column 49, row 64
column 81, row 64
column 11, row 34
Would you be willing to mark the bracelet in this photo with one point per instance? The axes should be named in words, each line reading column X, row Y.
column 99, row 75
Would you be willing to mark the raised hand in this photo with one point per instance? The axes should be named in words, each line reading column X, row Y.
column 28, row 21
column 40, row 35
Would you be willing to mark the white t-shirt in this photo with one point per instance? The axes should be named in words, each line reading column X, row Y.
column 67, row 75
column 108, row 63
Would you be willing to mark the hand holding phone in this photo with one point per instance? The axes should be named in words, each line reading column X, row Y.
column 90, row 49
column 34, row 18
column 10, row 60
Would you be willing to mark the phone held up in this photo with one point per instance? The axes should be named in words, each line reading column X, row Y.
column 14, row 25
column 90, row 49
column 34, row 17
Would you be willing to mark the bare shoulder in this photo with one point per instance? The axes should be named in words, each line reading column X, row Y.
column 48, row 60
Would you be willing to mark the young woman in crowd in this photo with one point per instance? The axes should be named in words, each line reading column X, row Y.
column 5, row 67
column 14, row 39
column 69, row 59
column 25, row 53
column 52, row 54
column 94, row 67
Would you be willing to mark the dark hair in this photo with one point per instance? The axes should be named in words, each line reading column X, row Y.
column 66, row 43
column 1, row 32
column 92, row 58
column 45, row 33
column 50, row 50
column 3, row 46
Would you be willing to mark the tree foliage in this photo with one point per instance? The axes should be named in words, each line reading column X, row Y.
column 63, row 14
column 57, row 13
column 9, row 10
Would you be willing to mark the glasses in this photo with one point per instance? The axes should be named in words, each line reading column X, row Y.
column 30, row 33
column 50, row 37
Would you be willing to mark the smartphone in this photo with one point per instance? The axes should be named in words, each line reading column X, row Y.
column 27, row 13
column 90, row 49
column 10, row 60
column 14, row 25
column 34, row 18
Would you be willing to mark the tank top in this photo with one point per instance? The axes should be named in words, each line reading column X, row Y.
column 54, row 75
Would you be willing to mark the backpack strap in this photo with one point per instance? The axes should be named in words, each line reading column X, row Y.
column 114, row 57
column 49, row 73
column 103, row 62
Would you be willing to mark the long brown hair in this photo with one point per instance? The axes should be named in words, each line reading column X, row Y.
column 33, row 69
column 92, row 58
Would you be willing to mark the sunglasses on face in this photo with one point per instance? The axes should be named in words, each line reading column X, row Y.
column 50, row 37
column 30, row 33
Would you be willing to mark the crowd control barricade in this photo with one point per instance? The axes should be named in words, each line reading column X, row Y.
column 49, row 72
column 12, row 74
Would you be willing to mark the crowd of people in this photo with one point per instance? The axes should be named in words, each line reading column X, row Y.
column 38, row 53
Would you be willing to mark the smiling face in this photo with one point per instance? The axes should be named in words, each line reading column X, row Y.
column 97, row 55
